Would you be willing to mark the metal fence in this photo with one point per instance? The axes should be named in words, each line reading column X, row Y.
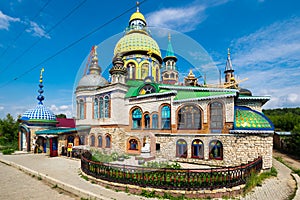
column 171, row 179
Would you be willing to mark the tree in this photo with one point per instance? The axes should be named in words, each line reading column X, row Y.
column 295, row 141
column 8, row 131
column 61, row 116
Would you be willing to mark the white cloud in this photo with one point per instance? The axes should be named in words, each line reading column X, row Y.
column 37, row 30
column 270, row 58
column 63, row 109
column 5, row 20
column 183, row 19
column 1, row 108
column 279, row 42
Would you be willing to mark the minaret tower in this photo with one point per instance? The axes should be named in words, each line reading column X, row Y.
column 170, row 73
column 118, row 71
column 94, row 67
column 229, row 76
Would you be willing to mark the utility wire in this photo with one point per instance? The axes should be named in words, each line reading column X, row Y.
column 36, row 42
column 72, row 44
column 20, row 34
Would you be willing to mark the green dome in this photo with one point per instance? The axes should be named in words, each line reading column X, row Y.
column 248, row 119
column 137, row 42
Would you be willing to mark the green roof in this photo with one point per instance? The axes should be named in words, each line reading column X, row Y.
column 42, row 120
column 134, row 85
column 56, row 131
column 248, row 119
column 182, row 92
column 191, row 94
column 59, row 130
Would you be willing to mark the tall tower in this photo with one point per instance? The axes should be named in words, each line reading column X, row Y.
column 229, row 76
column 140, row 52
column 92, row 75
column 170, row 73
column 118, row 71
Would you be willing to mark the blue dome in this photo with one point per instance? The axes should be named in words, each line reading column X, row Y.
column 39, row 113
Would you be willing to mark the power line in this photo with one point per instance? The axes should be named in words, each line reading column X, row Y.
column 72, row 44
column 20, row 34
column 36, row 42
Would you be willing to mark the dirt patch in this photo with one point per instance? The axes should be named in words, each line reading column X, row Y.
column 290, row 160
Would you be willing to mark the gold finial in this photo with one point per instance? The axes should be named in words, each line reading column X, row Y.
column 137, row 6
column 41, row 75
column 169, row 37
column 95, row 50
column 228, row 51
column 191, row 74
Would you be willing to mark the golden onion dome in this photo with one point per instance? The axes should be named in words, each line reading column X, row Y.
column 137, row 41
column 137, row 15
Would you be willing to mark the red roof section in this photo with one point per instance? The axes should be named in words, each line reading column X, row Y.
column 65, row 122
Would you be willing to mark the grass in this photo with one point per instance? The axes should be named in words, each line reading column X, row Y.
column 83, row 176
column 280, row 159
column 256, row 180
column 8, row 148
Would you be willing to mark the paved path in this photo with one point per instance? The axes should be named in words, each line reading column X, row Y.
column 15, row 184
column 66, row 173
column 277, row 188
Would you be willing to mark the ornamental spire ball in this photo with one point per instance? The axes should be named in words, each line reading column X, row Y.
column 41, row 91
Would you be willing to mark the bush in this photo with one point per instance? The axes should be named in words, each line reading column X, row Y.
column 8, row 151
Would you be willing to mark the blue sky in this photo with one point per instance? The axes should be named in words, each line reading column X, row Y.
column 263, row 35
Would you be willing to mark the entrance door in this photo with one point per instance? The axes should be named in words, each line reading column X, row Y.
column 53, row 147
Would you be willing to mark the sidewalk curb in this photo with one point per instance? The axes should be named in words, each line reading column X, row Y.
column 297, row 178
column 67, row 187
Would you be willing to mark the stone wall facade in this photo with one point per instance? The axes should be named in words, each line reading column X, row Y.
column 237, row 148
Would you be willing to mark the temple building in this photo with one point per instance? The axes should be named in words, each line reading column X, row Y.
column 145, row 110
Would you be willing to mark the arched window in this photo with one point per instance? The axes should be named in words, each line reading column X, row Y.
column 131, row 71
column 189, row 117
column 81, row 109
column 96, row 108
column 92, row 142
column 82, row 140
column 145, row 70
column 157, row 75
column 106, row 107
column 107, row 141
column 101, row 103
column 136, row 118
column 197, row 149
column 181, row 148
column 99, row 141
column 216, row 150
column 133, row 144
column 165, row 117
column 155, row 121
column 216, row 117
column 147, row 121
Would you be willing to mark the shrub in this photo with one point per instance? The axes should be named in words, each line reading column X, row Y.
column 8, row 151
